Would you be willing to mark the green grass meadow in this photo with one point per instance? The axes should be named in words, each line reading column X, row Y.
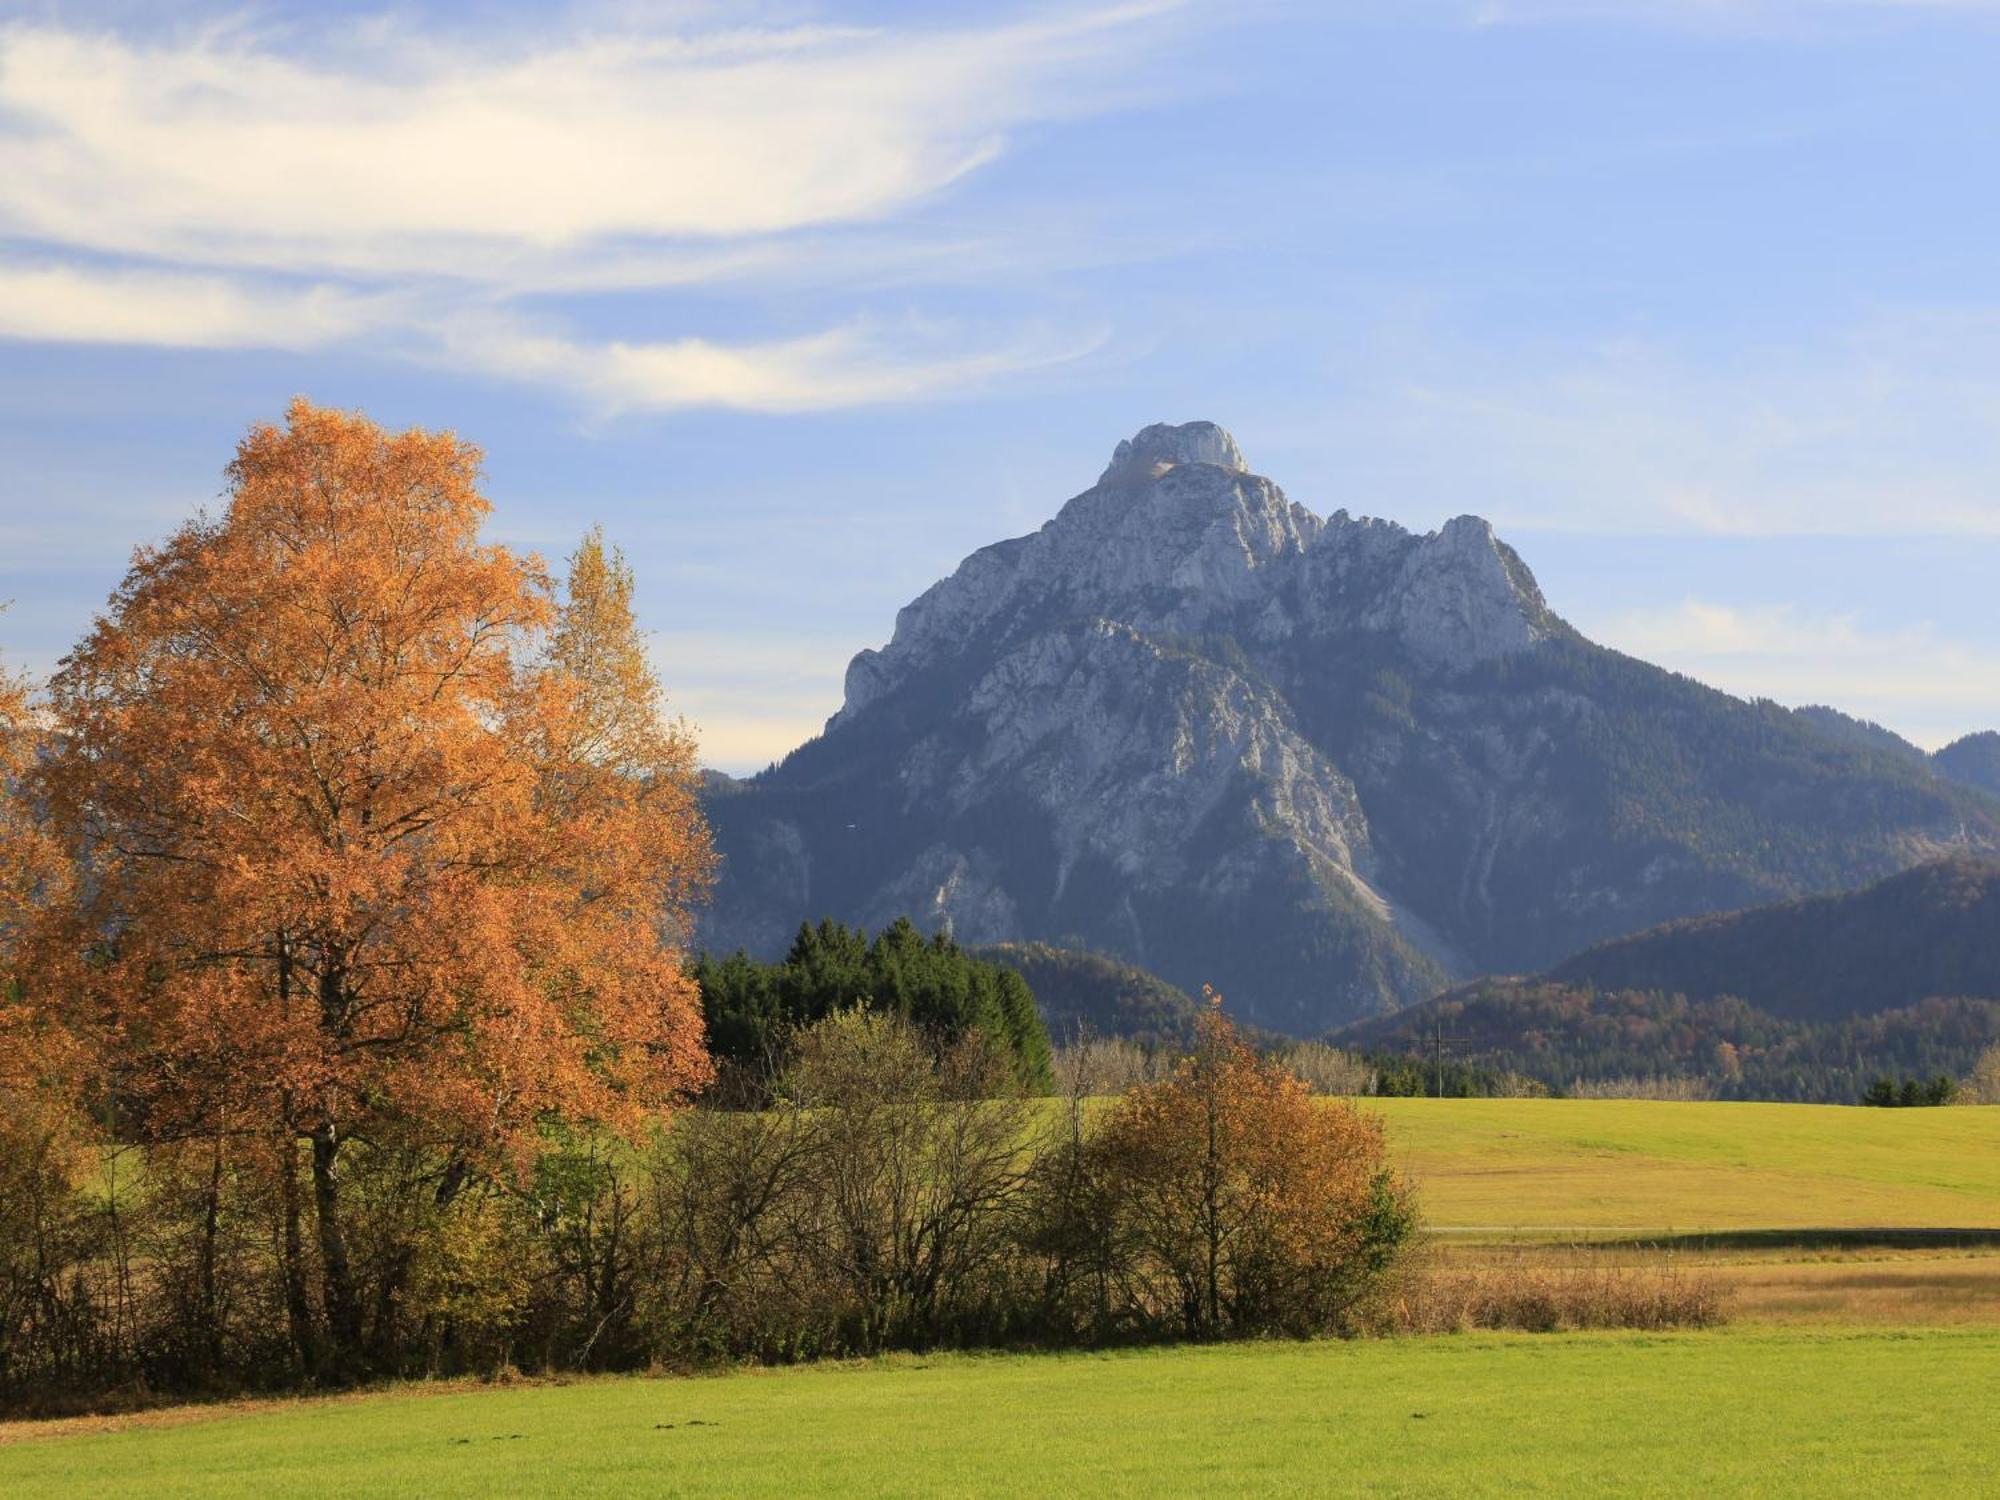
column 1627, row 1164
column 1747, row 1412
column 1818, row 1395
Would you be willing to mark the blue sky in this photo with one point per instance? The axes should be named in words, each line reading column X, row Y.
column 1698, row 300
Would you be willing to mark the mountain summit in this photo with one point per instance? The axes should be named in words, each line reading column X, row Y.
column 1178, row 538
column 1326, row 763
column 1166, row 444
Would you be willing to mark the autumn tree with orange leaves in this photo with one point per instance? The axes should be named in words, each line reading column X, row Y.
column 20, row 840
column 36, row 1055
column 1234, row 1202
column 382, row 837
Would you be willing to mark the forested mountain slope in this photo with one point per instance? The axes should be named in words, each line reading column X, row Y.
column 1807, row 999
column 1931, row 931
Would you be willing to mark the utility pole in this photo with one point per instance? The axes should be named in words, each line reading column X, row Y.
column 1437, row 1040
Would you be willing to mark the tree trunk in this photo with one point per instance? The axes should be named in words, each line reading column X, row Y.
column 298, row 1309
column 210, row 1290
column 343, row 1307
column 343, row 1304
column 1212, row 1219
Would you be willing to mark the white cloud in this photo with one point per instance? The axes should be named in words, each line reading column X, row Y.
column 401, row 193
column 54, row 302
column 855, row 364
column 416, row 158
column 848, row 366
column 1929, row 688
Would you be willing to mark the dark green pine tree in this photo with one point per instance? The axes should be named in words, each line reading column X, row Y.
column 752, row 1008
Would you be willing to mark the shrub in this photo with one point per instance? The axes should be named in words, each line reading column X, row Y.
column 1098, row 1066
column 1982, row 1085
column 918, row 1157
column 471, row 1280
column 725, row 1196
column 868, row 1207
column 1238, row 1204
column 1327, row 1070
column 1911, row 1093
column 200, row 1218
column 51, row 1333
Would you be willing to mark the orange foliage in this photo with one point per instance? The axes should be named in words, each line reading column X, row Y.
column 34, row 1053
column 16, row 827
column 379, row 835
column 1251, row 1204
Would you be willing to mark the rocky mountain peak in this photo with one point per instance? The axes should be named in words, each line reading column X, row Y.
column 1166, row 444
column 1178, row 539
column 1193, row 724
column 1460, row 596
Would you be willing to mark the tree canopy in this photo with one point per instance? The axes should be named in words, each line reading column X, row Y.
column 381, row 834
column 753, row 1008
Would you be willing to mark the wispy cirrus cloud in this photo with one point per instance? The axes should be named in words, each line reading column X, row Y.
column 211, row 189
column 855, row 364
column 66, row 303
column 422, row 159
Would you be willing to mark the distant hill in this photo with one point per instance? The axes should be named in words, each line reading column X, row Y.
column 1931, row 931
column 1806, row 999
column 1862, row 734
column 1562, row 1035
column 1088, row 992
column 1974, row 760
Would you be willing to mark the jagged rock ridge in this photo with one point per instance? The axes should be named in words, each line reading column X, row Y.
column 1328, row 764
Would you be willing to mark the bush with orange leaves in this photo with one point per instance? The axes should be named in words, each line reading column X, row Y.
column 1224, row 1201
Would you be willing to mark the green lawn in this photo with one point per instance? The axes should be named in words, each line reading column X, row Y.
column 1637, row 1164
column 1751, row 1413
column 1755, row 1410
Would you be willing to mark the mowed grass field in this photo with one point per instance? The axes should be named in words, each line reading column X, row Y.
column 1641, row 1166
column 1811, row 1215
column 1746, row 1413
column 1858, row 1364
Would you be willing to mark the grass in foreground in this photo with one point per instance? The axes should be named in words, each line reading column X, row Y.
column 1763, row 1412
column 1645, row 1166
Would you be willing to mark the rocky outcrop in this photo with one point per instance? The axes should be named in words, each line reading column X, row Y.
column 1177, row 538
column 1325, row 763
